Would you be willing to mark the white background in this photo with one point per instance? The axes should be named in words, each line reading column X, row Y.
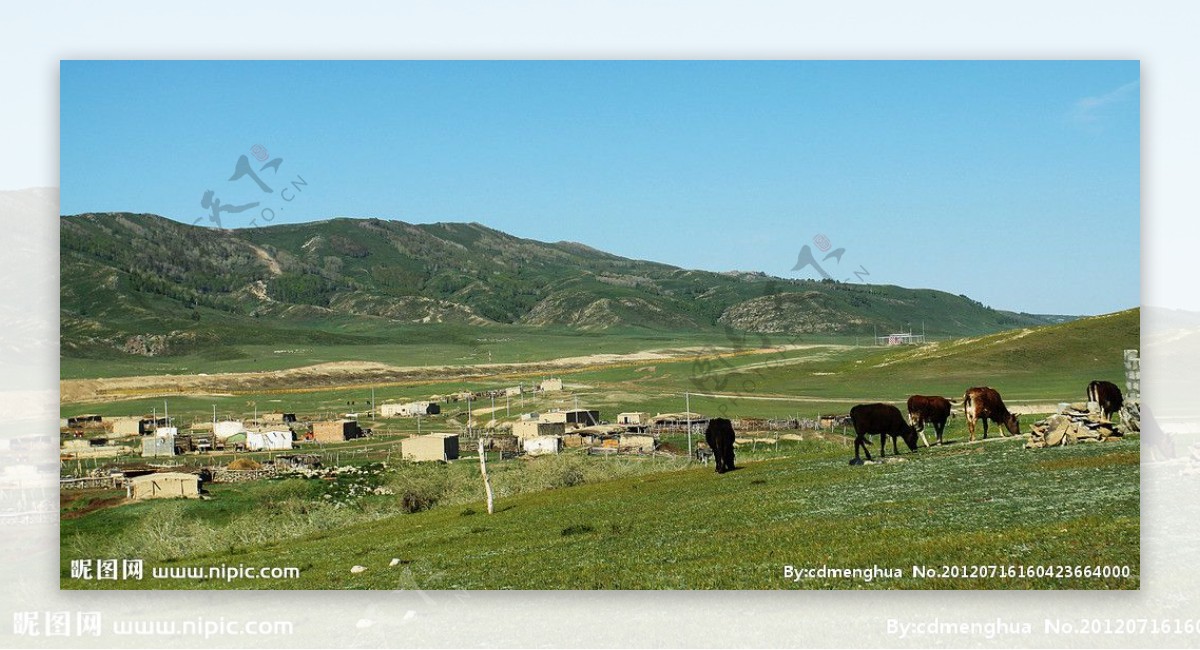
column 34, row 37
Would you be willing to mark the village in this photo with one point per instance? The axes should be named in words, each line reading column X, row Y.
column 154, row 456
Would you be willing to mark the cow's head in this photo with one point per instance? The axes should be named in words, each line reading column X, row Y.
column 910, row 437
column 1013, row 424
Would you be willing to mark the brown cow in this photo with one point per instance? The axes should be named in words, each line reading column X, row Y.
column 881, row 420
column 983, row 403
column 1107, row 395
column 928, row 408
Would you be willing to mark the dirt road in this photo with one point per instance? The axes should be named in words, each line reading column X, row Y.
column 356, row 373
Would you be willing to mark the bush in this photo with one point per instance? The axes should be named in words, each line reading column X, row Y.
column 415, row 501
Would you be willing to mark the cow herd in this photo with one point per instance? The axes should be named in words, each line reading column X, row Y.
column 981, row 404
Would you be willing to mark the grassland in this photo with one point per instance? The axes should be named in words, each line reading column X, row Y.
column 753, row 377
column 410, row 346
column 664, row 522
column 661, row 525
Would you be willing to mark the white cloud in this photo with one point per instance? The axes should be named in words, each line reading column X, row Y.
column 1092, row 111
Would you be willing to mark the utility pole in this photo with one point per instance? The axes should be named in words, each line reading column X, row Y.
column 687, row 411
column 507, row 404
column 468, row 415
column 487, row 484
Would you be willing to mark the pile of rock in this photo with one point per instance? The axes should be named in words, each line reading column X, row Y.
column 1073, row 423
column 1131, row 417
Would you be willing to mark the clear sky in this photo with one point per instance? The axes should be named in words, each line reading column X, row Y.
column 1016, row 183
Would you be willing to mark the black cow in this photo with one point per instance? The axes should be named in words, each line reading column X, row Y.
column 881, row 420
column 984, row 403
column 928, row 408
column 719, row 436
column 1107, row 395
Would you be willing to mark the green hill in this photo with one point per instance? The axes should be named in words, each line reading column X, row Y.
column 137, row 284
column 1051, row 361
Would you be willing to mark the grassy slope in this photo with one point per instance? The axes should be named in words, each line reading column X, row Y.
column 990, row 503
column 1054, row 362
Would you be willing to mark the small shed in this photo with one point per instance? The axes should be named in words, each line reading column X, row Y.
column 550, row 385
column 542, row 445
column 336, row 430
column 530, row 429
column 579, row 438
column 128, row 426
column 434, row 446
column 576, row 417
column 158, row 446
column 638, row 442
column 409, row 409
column 165, row 485
column 634, row 421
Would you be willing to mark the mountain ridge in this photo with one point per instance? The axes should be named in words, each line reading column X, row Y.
column 127, row 275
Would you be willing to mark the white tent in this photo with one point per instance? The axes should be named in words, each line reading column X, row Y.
column 226, row 428
column 542, row 445
column 268, row 440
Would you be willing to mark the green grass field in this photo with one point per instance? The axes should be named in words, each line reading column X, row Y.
column 670, row 526
column 410, row 346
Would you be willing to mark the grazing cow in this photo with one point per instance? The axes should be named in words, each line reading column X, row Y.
column 928, row 408
column 881, row 420
column 719, row 436
column 1107, row 395
column 983, row 403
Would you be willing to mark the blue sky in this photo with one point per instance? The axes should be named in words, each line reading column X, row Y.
column 1016, row 183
